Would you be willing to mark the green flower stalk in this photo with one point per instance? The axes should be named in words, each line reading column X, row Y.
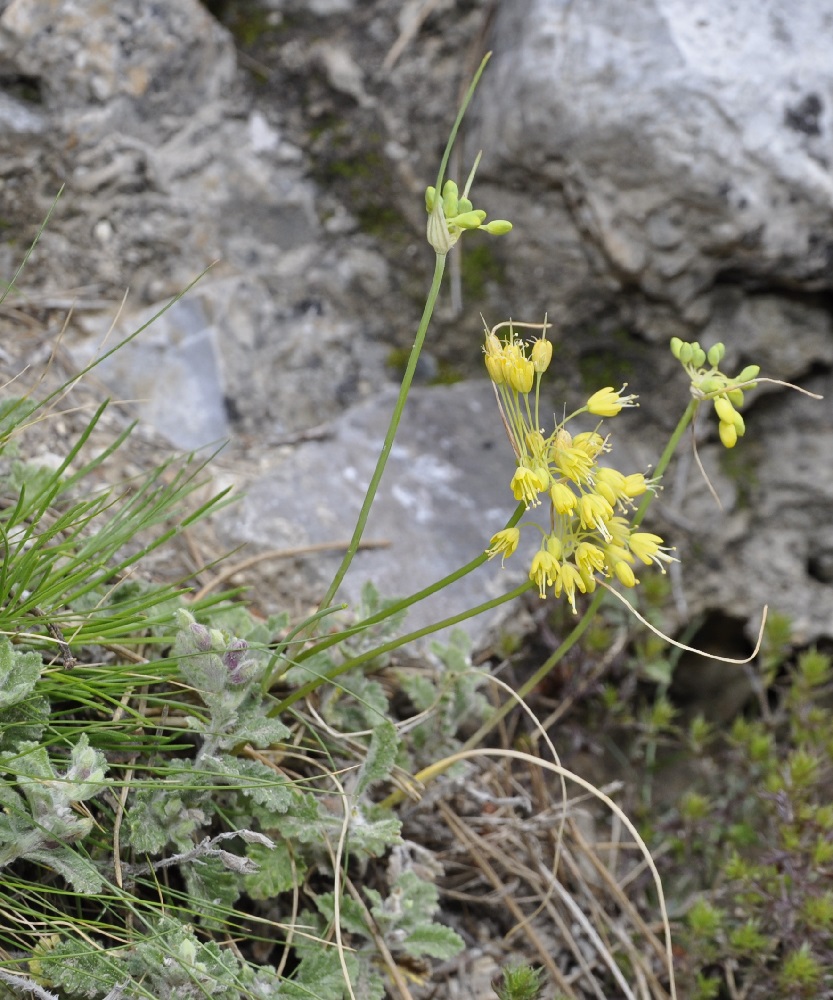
column 449, row 216
column 592, row 528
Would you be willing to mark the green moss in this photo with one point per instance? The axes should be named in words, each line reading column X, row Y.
column 610, row 364
column 447, row 373
column 479, row 266
column 248, row 20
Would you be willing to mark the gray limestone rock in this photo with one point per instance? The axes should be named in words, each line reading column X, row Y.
column 692, row 142
column 444, row 493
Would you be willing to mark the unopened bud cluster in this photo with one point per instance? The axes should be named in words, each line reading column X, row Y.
column 709, row 383
column 212, row 660
column 450, row 215
column 591, row 505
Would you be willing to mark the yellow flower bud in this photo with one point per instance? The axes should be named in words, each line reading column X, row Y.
column 554, row 546
column 728, row 434
column 748, row 374
column 498, row 227
column 541, row 354
column 468, row 220
column 450, row 199
column 494, row 358
column 724, row 410
column 625, row 574
column 715, row 354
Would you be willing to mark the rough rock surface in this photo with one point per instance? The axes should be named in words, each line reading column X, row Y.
column 667, row 167
column 439, row 502
column 691, row 143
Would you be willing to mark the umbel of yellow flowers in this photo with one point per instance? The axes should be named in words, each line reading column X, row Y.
column 591, row 505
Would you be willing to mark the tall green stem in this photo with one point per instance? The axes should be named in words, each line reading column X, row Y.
column 667, row 455
column 439, row 267
column 393, row 427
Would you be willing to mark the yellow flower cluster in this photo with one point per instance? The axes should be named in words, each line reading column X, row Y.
column 711, row 383
column 590, row 531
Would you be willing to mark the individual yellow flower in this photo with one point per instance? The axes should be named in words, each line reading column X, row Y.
column 649, row 548
column 589, row 559
column 563, row 498
column 594, row 512
column 569, row 579
column 504, row 543
column 592, row 443
column 608, row 402
column 543, row 571
column 526, row 485
column 610, row 484
column 635, row 485
column 573, row 463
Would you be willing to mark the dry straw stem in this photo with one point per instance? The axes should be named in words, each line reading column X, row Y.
column 272, row 554
column 379, row 941
column 693, row 649
column 443, row 765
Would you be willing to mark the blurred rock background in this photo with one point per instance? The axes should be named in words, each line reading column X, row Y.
column 668, row 170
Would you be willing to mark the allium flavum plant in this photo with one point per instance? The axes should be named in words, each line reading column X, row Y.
column 592, row 505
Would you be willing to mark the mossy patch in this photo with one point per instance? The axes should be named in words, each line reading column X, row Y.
column 610, row 362
column 479, row 267
column 247, row 20
column 740, row 465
